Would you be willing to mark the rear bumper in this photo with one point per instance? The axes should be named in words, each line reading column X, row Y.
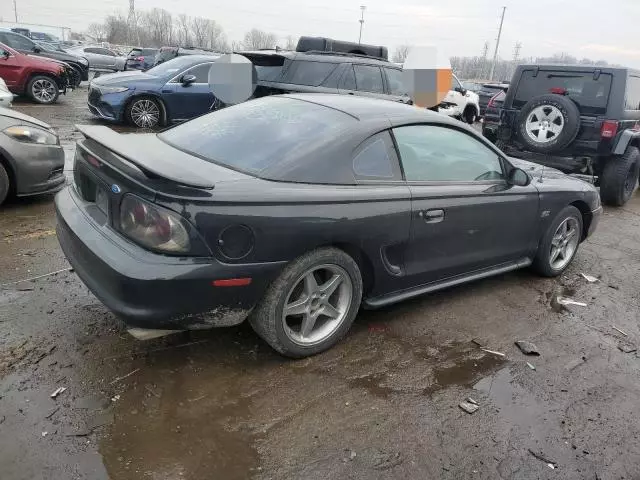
column 153, row 291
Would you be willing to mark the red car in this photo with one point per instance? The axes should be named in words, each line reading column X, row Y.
column 38, row 78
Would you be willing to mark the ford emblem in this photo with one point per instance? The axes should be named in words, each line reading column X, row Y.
column 115, row 188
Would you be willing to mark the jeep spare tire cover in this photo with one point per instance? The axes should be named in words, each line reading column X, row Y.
column 548, row 123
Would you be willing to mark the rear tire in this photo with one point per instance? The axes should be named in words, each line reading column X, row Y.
column 293, row 290
column 545, row 263
column 43, row 90
column 5, row 184
column 619, row 177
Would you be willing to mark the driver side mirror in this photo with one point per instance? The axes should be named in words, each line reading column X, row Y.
column 519, row 178
column 188, row 79
column 5, row 54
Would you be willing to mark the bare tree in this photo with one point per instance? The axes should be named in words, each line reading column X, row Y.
column 97, row 31
column 116, row 28
column 256, row 39
column 184, row 30
column 290, row 44
column 401, row 53
column 156, row 27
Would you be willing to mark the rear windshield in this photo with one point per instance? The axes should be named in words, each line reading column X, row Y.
column 149, row 51
column 589, row 94
column 135, row 52
column 258, row 135
column 165, row 54
column 269, row 68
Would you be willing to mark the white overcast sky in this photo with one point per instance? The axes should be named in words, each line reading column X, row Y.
column 598, row 29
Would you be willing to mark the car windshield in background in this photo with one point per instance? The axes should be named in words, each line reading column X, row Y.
column 590, row 94
column 303, row 72
column 258, row 135
column 268, row 67
column 172, row 66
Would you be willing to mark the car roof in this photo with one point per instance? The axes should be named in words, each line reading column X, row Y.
column 329, row 57
column 577, row 68
column 365, row 108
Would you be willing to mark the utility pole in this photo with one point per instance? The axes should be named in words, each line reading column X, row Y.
column 516, row 56
column 362, row 9
column 495, row 53
column 483, row 62
column 15, row 10
column 131, row 22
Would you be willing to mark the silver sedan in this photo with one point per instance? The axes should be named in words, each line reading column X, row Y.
column 100, row 58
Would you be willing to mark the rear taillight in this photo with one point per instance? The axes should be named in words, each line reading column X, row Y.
column 140, row 59
column 609, row 129
column 558, row 90
column 153, row 227
column 492, row 100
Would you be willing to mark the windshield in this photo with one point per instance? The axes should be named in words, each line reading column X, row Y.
column 590, row 95
column 173, row 66
column 267, row 133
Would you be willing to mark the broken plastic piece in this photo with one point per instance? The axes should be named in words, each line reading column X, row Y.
column 570, row 301
column 471, row 400
column 468, row 407
column 531, row 366
column 500, row 354
column 589, row 278
column 527, row 348
column 57, row 392
column 619, row 331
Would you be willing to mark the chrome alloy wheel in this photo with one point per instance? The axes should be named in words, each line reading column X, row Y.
column 317, row 304
column 44, row 90
column 544, row 124
column 145, row 113
column 564, row 243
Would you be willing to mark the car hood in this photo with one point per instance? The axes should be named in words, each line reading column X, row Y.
column 60, row 56
column 46, row 60
column 535, row 169
column 5, row 112
column 123, row 78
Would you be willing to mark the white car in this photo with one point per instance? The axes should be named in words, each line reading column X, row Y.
column 461, row 103
column 6, row 97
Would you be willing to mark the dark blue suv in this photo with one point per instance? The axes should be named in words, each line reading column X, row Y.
column 173, row 91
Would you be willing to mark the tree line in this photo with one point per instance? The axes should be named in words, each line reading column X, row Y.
column 479, row 68
column 158, row 27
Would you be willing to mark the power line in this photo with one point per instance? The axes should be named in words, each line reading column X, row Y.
column 495, row 53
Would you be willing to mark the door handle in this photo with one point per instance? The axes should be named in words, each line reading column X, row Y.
column 432, row 216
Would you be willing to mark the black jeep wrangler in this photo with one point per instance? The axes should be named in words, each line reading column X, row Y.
column 578, row 119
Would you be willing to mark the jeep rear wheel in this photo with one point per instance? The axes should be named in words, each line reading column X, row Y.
column 620, row 177
column 548, row 123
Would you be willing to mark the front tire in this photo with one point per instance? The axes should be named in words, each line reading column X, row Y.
column 311, row 305
column 144, row 112
column 560, row 243
column 43, row 90
column 620, row 177
column 5, row 184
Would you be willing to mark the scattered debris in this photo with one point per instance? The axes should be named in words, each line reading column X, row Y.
column 615, row 287
column 627, row 347
column 531, row 366
column 352, row 455
column 196, row 399
column 477, row 342
column 619, row 331
column 124, row 376
column 575, row 363
column 45, row 354
column 589, row 278
column 471, row 400
column 469, row 407
column 25, row 289
column 542, row 457
column 51, row 413
column 58, row 391
column 386, row 461
column 570, row 301
column 115, row 398
column 44, row 434
column 69, row 269
column 551, row 466
column 500, row 354
column 527, row 348
column 50, row 311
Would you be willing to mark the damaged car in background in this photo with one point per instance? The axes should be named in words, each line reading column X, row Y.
column 295, row 210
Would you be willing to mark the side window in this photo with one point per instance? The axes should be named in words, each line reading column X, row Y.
column 368, row 78
column 302, row 72
column 394, row 79
column 438, row 154
column 201, row 72
column 92, row 50
column 18, row 42
column 376, row 159
column 104, row 51
column 348, row 81
column 632, row 101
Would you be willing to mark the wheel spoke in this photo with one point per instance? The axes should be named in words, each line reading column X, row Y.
column 570, row 234
column 308, row 322
column 330, row 286
column 555, row 253
column 310, row 284
column 330, row 311
column 298, row 307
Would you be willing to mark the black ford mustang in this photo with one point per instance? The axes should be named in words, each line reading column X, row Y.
column 294, row 210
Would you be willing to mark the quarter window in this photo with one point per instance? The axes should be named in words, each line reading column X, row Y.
column 394, row 79
column 376, row 159
column 368, row 78
column 633, row 93
column 439, row 154
column 348, row 81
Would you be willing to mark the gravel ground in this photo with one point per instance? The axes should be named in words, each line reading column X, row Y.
column 382, row 404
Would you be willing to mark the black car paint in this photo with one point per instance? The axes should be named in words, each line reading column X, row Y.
column 589, row 149
column 488, row 227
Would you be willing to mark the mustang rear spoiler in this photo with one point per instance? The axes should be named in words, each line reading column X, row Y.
column 153, row 156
